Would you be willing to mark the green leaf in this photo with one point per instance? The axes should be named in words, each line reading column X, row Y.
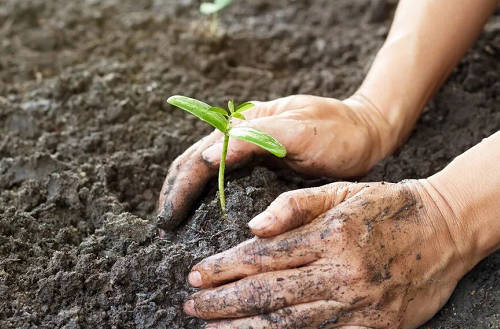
column 230, row 106
column 209, row 8
column 259, row 138
column 239, row 116
column 223, row 3
column 201, row 110
column 244, row 106
column 219, row 110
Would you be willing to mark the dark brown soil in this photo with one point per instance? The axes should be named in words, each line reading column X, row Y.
column 86, row 138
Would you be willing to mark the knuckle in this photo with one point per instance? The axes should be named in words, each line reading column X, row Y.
column 287, row 318
column 290, row 203
column 252, row 253
column 203, row 305
column 302, row 129
column 285, row 103
column 363, row 272
column 357, row 275
column 255, row 293
column 338, row 186
column 289, row 199
column 301, row 100
column 175, row 166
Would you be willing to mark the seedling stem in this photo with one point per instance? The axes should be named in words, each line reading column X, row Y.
column 222, row 168
column 221, row 119
column 214, row 24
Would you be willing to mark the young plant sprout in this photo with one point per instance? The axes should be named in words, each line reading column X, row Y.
column 212, row 8
column 221, row 120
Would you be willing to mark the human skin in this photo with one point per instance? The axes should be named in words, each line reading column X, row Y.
column 336, row 139
column 358, row 255
column 344, row 139
column 353, row 255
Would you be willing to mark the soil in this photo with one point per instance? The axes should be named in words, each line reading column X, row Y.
column 86, row 138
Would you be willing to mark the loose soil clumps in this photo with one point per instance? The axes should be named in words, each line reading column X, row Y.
column 86, row 138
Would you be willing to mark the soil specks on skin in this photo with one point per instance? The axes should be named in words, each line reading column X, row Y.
column 328, row 322
column 164, row 218
column 406, row 211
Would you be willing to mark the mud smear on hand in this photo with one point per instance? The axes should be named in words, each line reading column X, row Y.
column 86, row 138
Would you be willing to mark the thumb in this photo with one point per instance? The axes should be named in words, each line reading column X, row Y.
column 240, row 151
column 296, row 208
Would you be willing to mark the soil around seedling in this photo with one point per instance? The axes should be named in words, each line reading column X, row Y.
column 86, row 138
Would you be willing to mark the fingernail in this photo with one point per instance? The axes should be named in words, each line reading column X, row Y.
column 213, row 153
column 194, row 279
column 261, row 221
column 165, row 218
column 189, row 308
column 161, row 233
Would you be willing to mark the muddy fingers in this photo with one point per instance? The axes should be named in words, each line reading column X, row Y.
column 318, row 314
column 269, row 292
column 254, row 256
column 357, row 264
column 184, row 182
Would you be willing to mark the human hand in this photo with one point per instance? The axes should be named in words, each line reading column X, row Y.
column 323, row 137
column 371, row 255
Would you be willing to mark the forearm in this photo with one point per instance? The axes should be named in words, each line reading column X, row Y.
column 470, row 186
column 426, row 41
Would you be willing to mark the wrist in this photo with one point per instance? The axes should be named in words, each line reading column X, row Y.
column 470, row 188
column 448, row 216
column 384, row 132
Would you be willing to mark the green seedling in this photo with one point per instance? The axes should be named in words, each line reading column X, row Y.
column 221, row 120
column 212, row 8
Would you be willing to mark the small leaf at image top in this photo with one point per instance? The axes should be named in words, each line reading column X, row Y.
column 259, row 138
column 209, row 8
column 201, row 110
column 223, row 3
column 243, row 107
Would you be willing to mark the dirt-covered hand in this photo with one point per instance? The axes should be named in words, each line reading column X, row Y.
column 375, row 255
column 323, row 137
